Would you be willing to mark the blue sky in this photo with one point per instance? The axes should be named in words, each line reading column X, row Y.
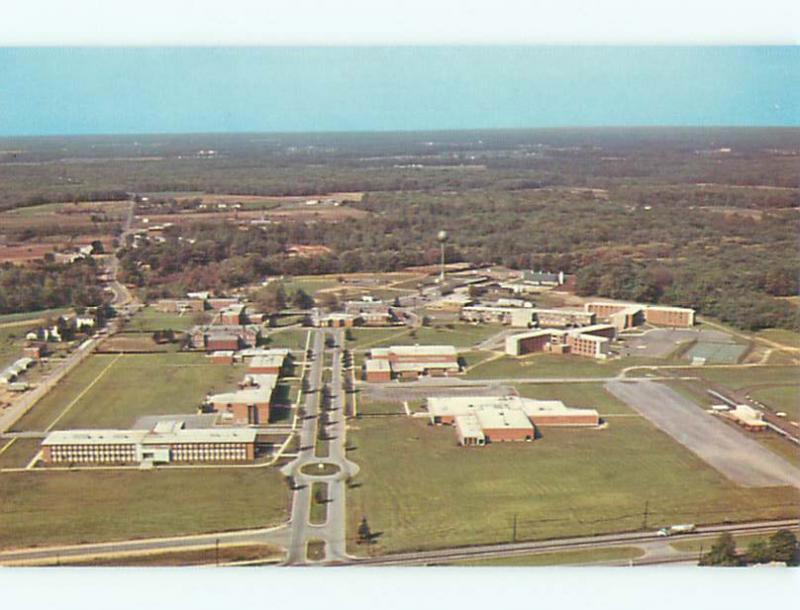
column 158, row 90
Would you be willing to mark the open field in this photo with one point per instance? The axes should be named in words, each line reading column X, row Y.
column 781, row 398
column 557, row 559
column 39, row 508
column 785, row 337
column 19, row 452
column 460, row 335
column 293, row 338
column 32, row 315
column 586, row 395
column 150, row 319
column 228, row 553
column 309, row 284
column 137, row 342
column 553, row 365
column 369, row 406
column 111, row 391
column 423, row 491
column 364, row 338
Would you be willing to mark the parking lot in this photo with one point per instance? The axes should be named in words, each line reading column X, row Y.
column 661, row 342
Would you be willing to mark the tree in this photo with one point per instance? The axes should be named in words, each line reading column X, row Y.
column 364, row 533
column 330, row 301
column 758, row 552
column 272, row 298
column 783, row 547
column 302, row 300
column 722, row 553
column 97, row 247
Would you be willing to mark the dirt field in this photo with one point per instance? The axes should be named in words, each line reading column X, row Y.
column 739, row 458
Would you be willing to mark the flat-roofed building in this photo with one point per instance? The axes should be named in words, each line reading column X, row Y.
column 221, row 337
column 563, row 318
column 592, row 341
column 167, row 442
column 371, row 312
column 469, row 431
column 270, row 364
column 412, row 361
column 528, row 343
column 555, row 413
column 222, row 357
column 217, row 303
column 234, row 315
column 377, row 371
column 248, row 405
column 501, row 425
column 334, row 320
column 660, row 315
column 490, row 314
column 180, row 305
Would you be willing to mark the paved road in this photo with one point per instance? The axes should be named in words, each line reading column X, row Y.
column 725, row 448
column 332, row 532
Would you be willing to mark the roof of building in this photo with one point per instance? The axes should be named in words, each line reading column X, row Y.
column 167, row 432
column 533, row 407
column 539, row 276
column 492, row 418
column 373, row 366
column 419, row 366
column 452, row 406
column 414, row 350
column 748, row 415
column 260, row 351
column 268, row 361
column 224, row 353
column 468, row 426
column 94, row 437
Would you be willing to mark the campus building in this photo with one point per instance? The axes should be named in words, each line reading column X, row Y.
column 248, row 405
column 591, row 341
column 166, row 442
column 333, row 319
column 747, row 417
column 371, row 312
column 180, row 305
column 629, row 315
column 526, row 317
column 479, row 420
column 225, row 337
column 412, row 361
column 233, row 315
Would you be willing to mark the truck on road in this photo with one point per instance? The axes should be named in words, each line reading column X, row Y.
column 672, row 530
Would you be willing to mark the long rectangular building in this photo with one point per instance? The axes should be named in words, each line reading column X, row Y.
column 412, row 361
column 592, row 341
column 628, row 315
column 167, row 442
column 484, row 419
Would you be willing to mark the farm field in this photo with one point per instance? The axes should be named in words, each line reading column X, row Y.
column 39, row 508
column 421, row 490
column 150, row 319
column 112, row 391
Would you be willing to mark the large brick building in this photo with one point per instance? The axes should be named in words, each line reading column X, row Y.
column 629, row 315
column 484, row 419
column 590, row 341
column 250, row 404
column 413, row 361
column 168, row 441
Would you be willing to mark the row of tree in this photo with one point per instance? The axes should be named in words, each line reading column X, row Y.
column 781, row 547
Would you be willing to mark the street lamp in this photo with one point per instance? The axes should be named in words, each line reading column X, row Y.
column 441, row 237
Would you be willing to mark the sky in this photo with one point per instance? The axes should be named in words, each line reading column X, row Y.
column 49, row 91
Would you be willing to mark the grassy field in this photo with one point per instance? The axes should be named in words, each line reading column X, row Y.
column 780, row 398
column 318, row 512
column 785, row 337
column 110, row 391
column 11, row 344
column 38, row 508
column 19, row 452
column 474, row 357
column 293, row 338
column 559, row 558
column 10, row 318
column 371, row 337
column 460, row 335
column 367, row 406
column 419, row 489
column 311, row 285
column 233, row 553
column 587, row 395
column 552, row 365
column 150, row 319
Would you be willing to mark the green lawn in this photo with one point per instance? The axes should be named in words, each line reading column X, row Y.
column 33, row 315
column 367, row 406
column 785, row 337
column 293, row 338
column 586, row 395
column 781, row 398
column 310, row 284
column 11, row 344
column 421, row 490
column 460, row 335
column 127, row 387
column 19, row 452
column 551, row 365
column 39, row 508
column 150, row 319
column 372, row 337
column 318, row 512
column 474, row 357
column 557, row 558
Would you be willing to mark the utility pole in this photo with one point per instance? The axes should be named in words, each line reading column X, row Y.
column 646, row 511
column 514, row 529
column 216, row 551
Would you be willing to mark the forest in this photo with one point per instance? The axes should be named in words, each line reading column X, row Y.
column 706, row 218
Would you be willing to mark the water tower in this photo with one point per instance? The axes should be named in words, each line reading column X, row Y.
column 441, row 237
